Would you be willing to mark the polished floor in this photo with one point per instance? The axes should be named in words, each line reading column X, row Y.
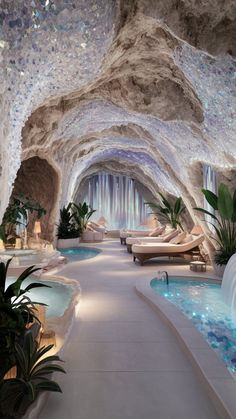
column 122, row 361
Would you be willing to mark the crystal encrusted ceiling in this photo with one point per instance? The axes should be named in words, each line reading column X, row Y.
column 90, row 84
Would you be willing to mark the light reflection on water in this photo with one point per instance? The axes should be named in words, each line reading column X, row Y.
column 202, row 303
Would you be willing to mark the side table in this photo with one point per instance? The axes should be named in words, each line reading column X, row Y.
column 197, row 265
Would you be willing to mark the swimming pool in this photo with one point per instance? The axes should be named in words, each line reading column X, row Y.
column 202, row 303
column 57, row 297
column 80, row 253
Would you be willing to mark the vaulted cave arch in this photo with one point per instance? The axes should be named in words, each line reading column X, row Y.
column 39, row 180
column 147, row 182
column 133, row 84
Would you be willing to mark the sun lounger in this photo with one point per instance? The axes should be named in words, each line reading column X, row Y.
column 132, row 233
column 145, row 251
column 165, row 237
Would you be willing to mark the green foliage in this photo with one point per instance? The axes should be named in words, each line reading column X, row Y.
column 82, row 214
column 67, row 228
column 73, row 220
column 18, row 208
column 168, row 212
column 2, row 234
column 16, row 310
column 33, row 372
column 224, row 204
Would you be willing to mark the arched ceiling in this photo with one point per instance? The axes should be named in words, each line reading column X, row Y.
column 117, row 160
column 148, row 86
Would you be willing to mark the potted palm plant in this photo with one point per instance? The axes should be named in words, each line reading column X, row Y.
column 223, row 216
column 69, row 231
column 16, row 217
column 19, row 348
column 16, row 311
column 82, row 213
column 33, row 376
column 169, row 212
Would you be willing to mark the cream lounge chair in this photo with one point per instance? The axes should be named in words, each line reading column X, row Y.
column 162, row 238
column 145, row 251
column 132, row 233
column 124, row 234
column 97, row 227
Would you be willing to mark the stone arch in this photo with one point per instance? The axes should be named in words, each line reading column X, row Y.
column 38, row 179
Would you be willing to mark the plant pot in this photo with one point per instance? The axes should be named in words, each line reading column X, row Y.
column 66, row 243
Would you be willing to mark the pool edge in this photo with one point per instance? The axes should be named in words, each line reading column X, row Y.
column 212, row 373
column 66, row 322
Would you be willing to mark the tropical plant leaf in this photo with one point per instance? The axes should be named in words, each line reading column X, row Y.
column 224, row 222
column 2, row 280
column 2, row 234
column 51, row 358
column 165, row 202
column 233, row 219
column 177, row 206
column 14, row 289
column 211, row 198
column 225, row 202
column 36, row 285
column 206, row 212
column 48, row 386
column 48, row 370
column 32, row 371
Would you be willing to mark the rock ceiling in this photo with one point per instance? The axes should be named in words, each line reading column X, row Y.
column 143, row 86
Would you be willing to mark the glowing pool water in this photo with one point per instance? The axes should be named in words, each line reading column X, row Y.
column 202, row 303
column 57, row 297
column 80, row 253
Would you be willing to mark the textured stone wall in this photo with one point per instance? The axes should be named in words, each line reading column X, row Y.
column 143, row 86
column 38, row 180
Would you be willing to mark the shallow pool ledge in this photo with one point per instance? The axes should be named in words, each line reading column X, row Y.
column 217, row 380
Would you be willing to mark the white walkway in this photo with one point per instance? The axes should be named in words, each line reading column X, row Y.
column 122, row 361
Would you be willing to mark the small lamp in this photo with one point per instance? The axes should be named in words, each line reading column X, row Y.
column 37, row 229
column 2, row 246
column 18, row 243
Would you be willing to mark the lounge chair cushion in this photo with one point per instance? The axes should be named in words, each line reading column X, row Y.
column 96, row 227
column 92, row 236
column 188, row 238
column 196, row 230
column 170, row 236
column 133, row 233
column 160, row 248
column 133, row 240
column 90, row 228
column 179, row 238
column 157, row 231
column 93, row 223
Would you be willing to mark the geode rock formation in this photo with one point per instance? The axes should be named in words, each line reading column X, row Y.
column 147, row 87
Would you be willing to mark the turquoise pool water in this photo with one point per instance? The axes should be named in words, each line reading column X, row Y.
column 57, row 297
column 80, row 253
column 202, row 303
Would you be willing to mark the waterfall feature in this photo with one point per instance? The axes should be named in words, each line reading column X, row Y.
column 117, row 199
column 229, row 283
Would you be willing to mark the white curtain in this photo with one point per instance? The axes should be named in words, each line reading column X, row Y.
column 117, row 199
